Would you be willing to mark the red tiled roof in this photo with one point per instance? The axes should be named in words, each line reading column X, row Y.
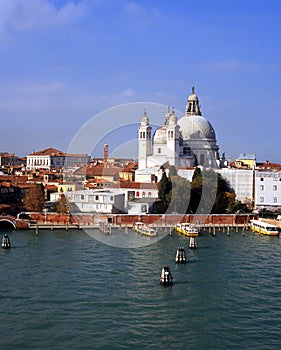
column 13, row 178
column 135, row 185
column 50, row 187
column 48, row 152
column 81, row 171
column 103, row 171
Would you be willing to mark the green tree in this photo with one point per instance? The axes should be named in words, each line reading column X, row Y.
column 164, row 187
column 211, row 191
column 172, row 171
column 179, row 196
column 63, row 206
column 34, row 199
column 195, row 191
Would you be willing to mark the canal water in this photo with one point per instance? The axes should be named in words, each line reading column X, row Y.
column 66, row 290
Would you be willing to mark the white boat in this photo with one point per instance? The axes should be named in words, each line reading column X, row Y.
column 143, row 229
column 186, row 229
column 264, row 228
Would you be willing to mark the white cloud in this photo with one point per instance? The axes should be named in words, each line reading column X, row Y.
column 236, row 66
column 32, row 14
column 141, row 15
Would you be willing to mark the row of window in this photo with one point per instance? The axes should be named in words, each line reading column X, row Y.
column 144, row 135
column 274, row 199
column 274, row 187
column 274, row 179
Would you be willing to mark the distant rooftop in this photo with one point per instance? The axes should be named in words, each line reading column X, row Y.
column 248, row 156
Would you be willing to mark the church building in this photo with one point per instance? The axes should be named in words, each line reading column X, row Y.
column 187, row 142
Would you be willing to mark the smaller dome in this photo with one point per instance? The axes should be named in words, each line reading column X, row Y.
column 144, row 119
column 192, row 96
column 159, row 136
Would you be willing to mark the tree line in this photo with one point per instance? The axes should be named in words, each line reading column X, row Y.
column 208, row 192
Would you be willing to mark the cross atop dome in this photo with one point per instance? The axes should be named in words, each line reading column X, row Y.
column 192, row 106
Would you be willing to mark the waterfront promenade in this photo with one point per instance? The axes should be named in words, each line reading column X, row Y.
column 81, row 221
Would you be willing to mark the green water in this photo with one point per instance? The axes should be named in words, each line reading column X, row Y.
column 66, row 290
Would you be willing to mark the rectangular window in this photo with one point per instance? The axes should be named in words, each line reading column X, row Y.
column 131, row 195
column 97, row 198
column 82, row 197
column 274, row 199
column 143, row 208
column 261, row 187
column 261, row 178
column 261, row 199
column 159, row 150
column 274, row 187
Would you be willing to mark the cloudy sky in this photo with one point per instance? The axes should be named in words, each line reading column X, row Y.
column 63, row 62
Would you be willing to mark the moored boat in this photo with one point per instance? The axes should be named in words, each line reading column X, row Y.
column 143, row 229
column 264, row 228
column 186, row 229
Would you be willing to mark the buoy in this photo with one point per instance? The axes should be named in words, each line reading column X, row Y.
column 166, row 278
column 6, row 244
column 180, row 255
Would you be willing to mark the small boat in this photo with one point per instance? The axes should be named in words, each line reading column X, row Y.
column 6, row 244
column 180, row 255
column 192, row 242
column 186, row 229
column 166, row 278
column 264, row 228
column 143, row 229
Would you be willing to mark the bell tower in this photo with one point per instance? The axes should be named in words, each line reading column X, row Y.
column 144, row 141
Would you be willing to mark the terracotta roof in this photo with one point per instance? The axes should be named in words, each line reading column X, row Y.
column 13, row 178
column 50, row 187
column 135, row 185
column 48, row 152
column 268, row 165
column 103, row 171
column 81, row 171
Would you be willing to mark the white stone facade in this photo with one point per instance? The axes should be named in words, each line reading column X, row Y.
column 267, row 189
column 242, row 182
column 92, row 201
column 187, row 142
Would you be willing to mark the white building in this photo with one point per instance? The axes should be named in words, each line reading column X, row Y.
column 189, row 141
column 267, row 189
column 93, row 201
column 52, row 158
column 242, row 182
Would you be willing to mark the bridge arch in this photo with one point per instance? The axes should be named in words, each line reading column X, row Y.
column 7, row 222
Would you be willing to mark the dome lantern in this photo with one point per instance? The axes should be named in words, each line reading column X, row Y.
column 192, row 106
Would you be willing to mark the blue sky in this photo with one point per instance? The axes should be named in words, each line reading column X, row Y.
column 63, row 62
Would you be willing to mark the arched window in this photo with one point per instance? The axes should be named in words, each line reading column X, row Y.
column 137, row 194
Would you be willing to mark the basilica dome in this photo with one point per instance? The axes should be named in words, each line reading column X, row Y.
column 196, row 127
